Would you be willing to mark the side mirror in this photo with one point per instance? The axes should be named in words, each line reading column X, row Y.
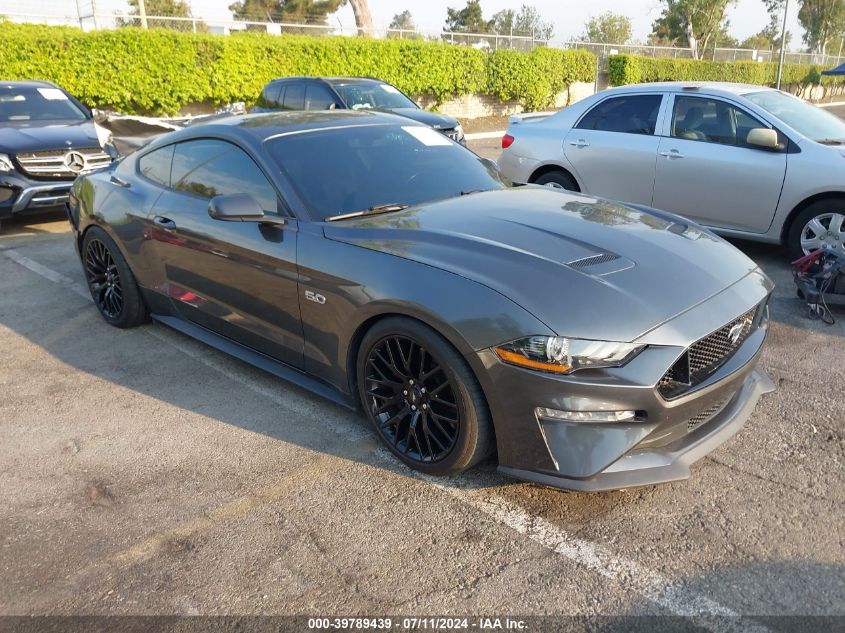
column 240, row 207
column 763, row 137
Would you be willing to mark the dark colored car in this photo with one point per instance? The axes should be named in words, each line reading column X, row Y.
column 351, row 93
column 592, row 345
column 47, row 138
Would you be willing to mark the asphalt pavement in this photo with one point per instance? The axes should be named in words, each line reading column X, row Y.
column 142, row 472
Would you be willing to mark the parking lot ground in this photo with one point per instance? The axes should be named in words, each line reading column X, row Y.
column 142, row 472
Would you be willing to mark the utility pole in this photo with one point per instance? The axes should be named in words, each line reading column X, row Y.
column 782, row 43
column 142, row 11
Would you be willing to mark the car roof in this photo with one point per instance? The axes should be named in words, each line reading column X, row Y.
column 256, row 128
column 711, row 87
column 33, row 83
column 333, row 80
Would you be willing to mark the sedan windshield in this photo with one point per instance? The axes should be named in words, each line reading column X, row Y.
column 373, row 96
column 343, row 170
column 806, row 119
column 37, row 104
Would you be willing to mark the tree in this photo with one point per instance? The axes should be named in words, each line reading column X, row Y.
column 692, row 23
column 161, row 8
column 402, row 22
column 608, row 28
column 503, row 22
column 363, row 17
column 294, row 11
column 823, row 21
column 467, row 20
column 529, row 22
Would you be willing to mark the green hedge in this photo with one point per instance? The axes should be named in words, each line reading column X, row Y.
column 535, row 78
column 631, row 69
column 159, row 71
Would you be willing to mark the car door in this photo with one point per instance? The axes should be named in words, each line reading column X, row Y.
column 708, row 172
column 613, row 147
column 238, row 279
column 293, row 96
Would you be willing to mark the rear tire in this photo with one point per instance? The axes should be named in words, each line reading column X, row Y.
column 558, row 180
column 422, row 398
column 110, row 281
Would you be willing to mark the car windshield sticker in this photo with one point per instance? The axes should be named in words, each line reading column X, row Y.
column 52, row 94
column 389, row 89
column 426, row 135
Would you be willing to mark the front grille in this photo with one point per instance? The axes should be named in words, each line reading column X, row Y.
column 705, row 356
column 452, row 133
column 705, row 415
column 62, row 163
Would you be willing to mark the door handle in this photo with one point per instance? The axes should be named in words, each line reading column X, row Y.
column 672, row 153
column 120, row 181
column 579, row 143
column 166, row 223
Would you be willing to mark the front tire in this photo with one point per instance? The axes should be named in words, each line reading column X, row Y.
column 820, row 226
column 422, row 398
column 110, row 281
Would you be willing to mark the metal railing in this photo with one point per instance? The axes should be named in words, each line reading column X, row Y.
column 483, row 41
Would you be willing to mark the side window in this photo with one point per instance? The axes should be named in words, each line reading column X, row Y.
column 270, row 96
column 711, row 121
column 156, row 165
column 294, row 97
column 634, row 114
column 208, row 168
column 318, row 97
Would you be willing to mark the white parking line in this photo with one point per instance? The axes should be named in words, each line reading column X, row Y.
column 468, row 489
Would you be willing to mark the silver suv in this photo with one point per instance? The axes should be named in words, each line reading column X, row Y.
column 746, row 161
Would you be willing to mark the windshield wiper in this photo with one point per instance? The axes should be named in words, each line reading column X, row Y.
column 374, row 210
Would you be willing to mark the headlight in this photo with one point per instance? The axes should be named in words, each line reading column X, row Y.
column 459, row 131
column 562, row 355
column 6, row 163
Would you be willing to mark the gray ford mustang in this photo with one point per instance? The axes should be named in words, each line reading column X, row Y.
column 380, row 264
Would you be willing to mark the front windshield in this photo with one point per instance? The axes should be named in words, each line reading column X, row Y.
column 806, row 119
column 371, row 95
column 37, row 104
column 350, row 169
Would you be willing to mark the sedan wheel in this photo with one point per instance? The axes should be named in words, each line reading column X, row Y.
column 422, row 398
column 825, row 231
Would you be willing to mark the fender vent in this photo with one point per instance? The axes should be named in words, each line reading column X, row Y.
column 593, row 260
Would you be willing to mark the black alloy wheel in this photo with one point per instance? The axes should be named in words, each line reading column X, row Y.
column 103, row 279
column 112, row 284
column 422, row 398
column 411, row 399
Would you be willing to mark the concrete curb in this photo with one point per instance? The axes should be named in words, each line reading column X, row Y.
column 480, row 136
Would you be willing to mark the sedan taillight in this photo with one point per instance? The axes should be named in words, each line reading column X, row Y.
column 507, row 141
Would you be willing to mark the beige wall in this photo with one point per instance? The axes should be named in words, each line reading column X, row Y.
column 475, row 106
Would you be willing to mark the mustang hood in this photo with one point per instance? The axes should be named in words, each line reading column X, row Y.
column 587, row 268
column 19, row 138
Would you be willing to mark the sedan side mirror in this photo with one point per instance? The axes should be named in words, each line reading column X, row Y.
column 763, row 137
column 240, row 207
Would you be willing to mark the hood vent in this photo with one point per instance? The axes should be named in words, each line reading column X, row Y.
column 593, row 260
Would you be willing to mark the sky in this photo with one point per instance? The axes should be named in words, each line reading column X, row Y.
column 747, row 16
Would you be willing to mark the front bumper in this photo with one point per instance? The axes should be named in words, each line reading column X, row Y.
column 20, row 195
column 668, row 434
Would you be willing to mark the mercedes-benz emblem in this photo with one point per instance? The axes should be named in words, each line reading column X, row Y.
column 75, row 162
